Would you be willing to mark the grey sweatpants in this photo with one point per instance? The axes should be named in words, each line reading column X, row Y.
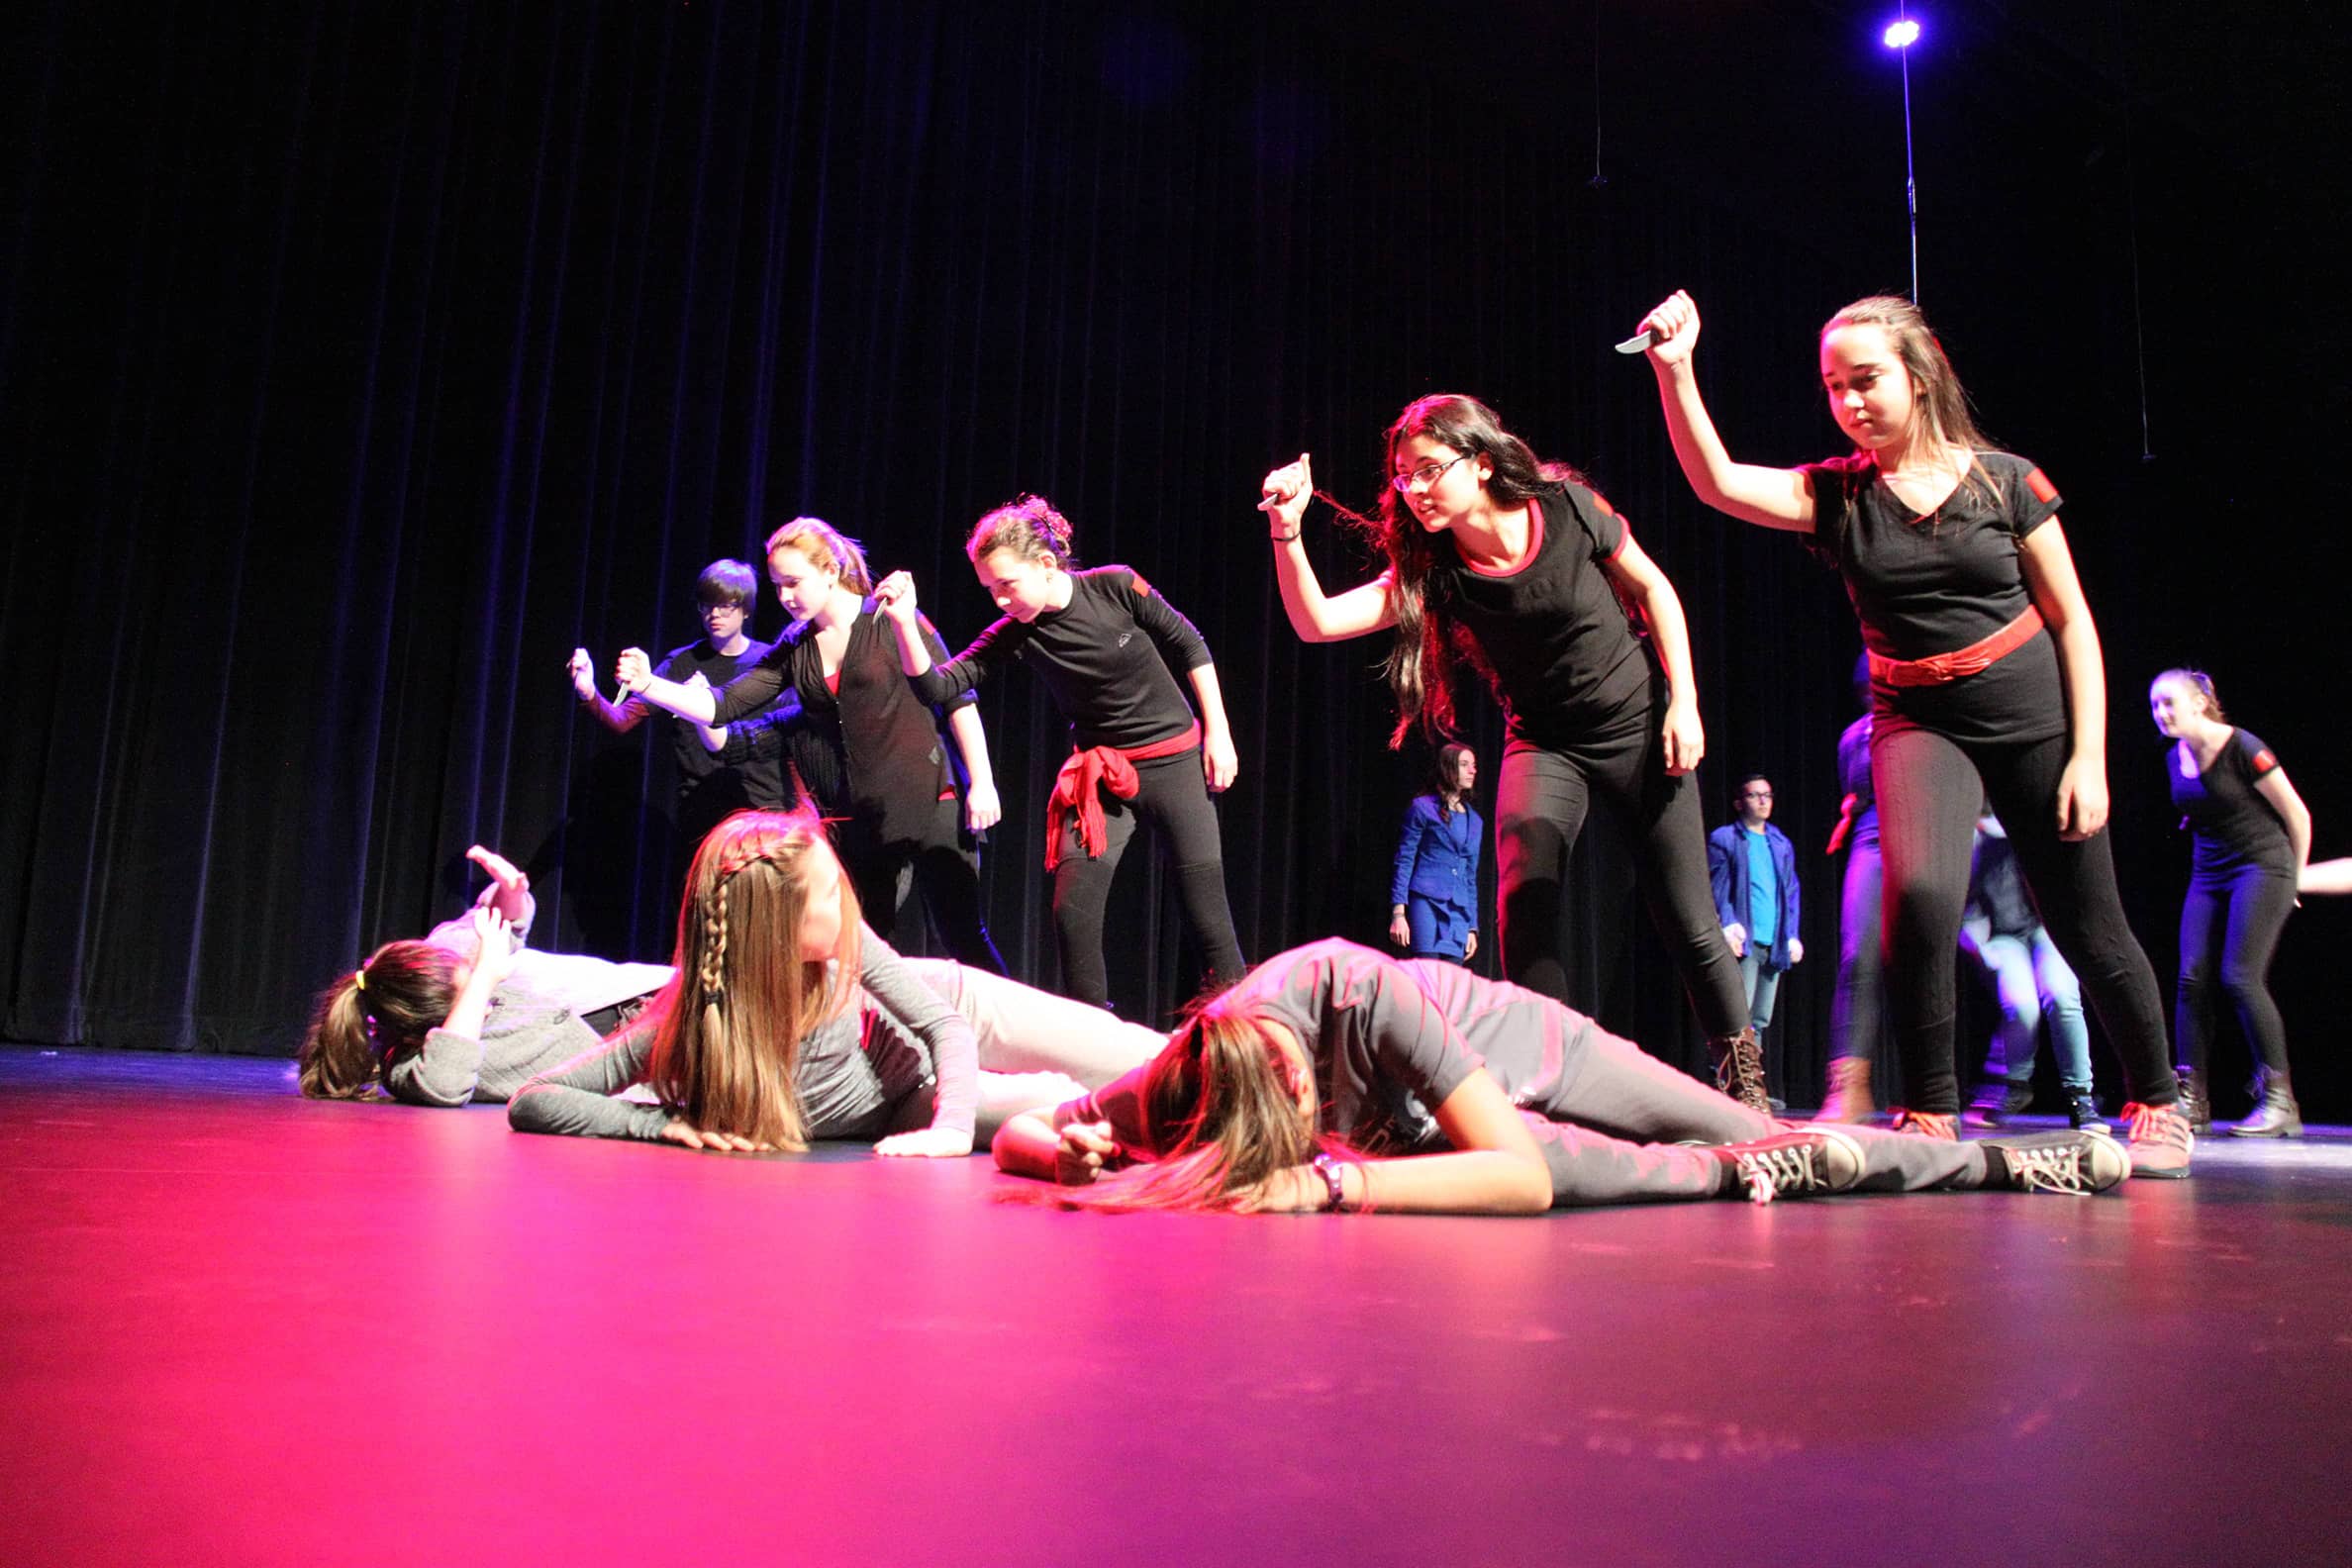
column 1632, row 1112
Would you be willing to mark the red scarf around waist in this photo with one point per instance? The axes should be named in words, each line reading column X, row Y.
column 1112, row 767
column 1938, row 669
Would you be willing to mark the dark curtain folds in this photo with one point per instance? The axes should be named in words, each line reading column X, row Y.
column 357, row 364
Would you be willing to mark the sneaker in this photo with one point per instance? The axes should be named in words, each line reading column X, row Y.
column 2159, row 1140
column 1739, row 1070
column 1796, row 1164
column 2082, row 1112
column 1927, row 1124
column 2076, row 1163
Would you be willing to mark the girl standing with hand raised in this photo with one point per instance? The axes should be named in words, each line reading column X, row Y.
column 1986, row 681
column 1518, row 566
column 1106, row 645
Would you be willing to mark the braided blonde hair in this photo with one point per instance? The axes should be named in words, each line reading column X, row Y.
column 727, row 1031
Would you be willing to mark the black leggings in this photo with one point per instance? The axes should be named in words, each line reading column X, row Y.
column 1539, row 809
column 1928, row 788
column 2235, row 916
column 1172, row 796
column 946, row 873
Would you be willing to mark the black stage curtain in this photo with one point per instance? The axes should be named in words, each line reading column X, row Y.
column 355, row 365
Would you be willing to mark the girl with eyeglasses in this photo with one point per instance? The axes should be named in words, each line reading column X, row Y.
column 1520, row 570
column 1986, row 681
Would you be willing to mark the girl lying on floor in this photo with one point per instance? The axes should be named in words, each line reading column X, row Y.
column 786, row 1021
column 468, row 1012
column 1335, row 1078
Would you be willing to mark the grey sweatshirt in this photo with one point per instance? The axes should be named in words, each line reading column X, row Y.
column 534, row 1024
column 896, row 1060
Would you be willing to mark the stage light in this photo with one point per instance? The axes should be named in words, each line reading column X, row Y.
column 1900, row 34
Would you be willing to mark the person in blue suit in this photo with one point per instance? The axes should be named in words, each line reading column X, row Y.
column 1433, row 895
column 1753, row 869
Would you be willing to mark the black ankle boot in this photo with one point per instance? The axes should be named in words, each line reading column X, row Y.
column 2276, row 1115
column 2193, row 1104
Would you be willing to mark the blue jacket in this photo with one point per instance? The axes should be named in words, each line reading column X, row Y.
column 1727, row 873
column 1438, row 857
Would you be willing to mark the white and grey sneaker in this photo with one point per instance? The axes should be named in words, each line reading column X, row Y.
column 2074, row 1163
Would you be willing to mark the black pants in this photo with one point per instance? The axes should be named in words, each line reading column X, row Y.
column 945, row 872
column 1928, row 788
column 1173, row 797
column 1856, row 1016
column 1539, row 809
column 2234, row 919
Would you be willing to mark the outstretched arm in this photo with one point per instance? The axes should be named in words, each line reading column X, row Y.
column 1495, row 1166
column 621, row 716
column 1314, row 614
column 1773, row 497
column 697, row 704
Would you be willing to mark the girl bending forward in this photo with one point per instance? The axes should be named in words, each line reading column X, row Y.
column 1106, row 645
column 1518, row 566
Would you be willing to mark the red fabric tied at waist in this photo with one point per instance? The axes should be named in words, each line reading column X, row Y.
column 1112, row 768
column 1938, row 669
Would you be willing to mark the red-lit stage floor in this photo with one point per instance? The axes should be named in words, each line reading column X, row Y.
column 247, row 1328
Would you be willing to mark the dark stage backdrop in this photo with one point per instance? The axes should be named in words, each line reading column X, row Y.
column 356, row 364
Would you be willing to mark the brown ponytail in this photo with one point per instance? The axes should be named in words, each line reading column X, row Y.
column 382, row 1011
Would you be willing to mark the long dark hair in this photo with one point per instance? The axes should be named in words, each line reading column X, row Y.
column 1429, row 643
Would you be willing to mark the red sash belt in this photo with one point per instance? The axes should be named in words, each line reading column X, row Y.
column 1112, row 768
column 1938, row 669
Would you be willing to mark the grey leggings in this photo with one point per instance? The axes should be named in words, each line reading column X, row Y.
column 1632, row 1110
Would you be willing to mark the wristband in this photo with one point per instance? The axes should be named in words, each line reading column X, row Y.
column 1283, row 539
column 1328, row 1169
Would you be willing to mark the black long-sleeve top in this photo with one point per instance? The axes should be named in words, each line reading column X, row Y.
column 1109, row 657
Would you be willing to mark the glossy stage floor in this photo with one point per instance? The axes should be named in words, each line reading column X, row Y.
column 246, row 1328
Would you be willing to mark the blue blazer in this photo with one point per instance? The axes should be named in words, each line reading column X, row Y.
column 1727, row 873
column 1438, row 857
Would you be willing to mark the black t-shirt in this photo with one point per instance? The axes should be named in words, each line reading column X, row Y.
column 1935, row 584
column 1566, row 662
column 1105, row 657
column 758, row 771
column 863, row 744
column 2235, row 827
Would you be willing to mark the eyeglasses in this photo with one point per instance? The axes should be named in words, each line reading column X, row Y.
column 1755, row 794
column 1426, row 474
